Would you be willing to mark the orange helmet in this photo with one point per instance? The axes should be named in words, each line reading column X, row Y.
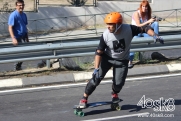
column 113, row 17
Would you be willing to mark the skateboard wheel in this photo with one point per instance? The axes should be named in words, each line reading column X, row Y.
column 81, row 114
column 118, row 108
column 115, row 107
column 75, row 112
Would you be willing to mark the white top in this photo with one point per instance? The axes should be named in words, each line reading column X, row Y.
column 141, row 21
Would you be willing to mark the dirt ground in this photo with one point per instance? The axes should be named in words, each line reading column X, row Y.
column 33, row 72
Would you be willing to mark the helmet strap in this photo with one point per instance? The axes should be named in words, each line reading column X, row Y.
column 117, row 27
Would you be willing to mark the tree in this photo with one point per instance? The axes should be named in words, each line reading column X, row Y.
column 77, row 2
column 6, row 8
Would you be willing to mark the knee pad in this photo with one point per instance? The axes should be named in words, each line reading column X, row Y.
column 117, row 88
column 95, row 79
column 91, row 85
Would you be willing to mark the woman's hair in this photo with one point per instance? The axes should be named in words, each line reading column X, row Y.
column 145, row 3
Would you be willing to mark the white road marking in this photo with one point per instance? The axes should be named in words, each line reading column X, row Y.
column 117, row 117
column 79, row 84
column 17, row 82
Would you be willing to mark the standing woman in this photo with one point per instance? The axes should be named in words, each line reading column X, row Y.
column 140, row 18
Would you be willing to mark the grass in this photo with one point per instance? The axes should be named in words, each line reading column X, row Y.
column 86, row 66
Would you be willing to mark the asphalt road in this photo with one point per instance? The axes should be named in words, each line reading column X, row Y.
column 56, row 103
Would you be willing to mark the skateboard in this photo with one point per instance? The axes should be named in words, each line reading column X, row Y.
column 114, row 106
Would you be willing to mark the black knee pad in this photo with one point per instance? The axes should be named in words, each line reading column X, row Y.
column 117, row 88
column 92, row 84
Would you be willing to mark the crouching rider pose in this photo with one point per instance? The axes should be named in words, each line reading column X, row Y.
column 113, row 51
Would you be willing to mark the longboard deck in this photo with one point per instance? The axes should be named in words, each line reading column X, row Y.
column 95, row 104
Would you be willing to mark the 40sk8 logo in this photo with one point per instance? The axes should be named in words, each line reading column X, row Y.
column 162, row 104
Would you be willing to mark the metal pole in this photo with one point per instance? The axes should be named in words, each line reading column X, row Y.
column 95, row 23
column 140, row 56
column 48, row 63
column 95, row 3
column 36, row 30
column 66, row 26
column 176, row 18
column 36, row 5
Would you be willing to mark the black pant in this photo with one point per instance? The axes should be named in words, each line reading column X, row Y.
column 120, row 70
column 20, row 40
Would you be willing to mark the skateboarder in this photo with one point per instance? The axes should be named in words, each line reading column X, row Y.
column 113, row 51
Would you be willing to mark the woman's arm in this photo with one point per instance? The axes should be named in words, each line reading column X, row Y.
column 137, row 20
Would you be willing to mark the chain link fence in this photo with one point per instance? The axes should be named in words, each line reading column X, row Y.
column 76, row 3
column 65, row 26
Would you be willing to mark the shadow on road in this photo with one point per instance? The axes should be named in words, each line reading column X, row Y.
column 131, row 108
column 95, row 112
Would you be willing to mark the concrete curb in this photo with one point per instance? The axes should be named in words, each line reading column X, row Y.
column 83, row 76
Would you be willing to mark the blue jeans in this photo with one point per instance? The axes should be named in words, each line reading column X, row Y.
column 155, row 26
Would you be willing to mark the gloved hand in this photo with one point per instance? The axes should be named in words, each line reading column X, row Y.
column 158, row 39
column 96, row 73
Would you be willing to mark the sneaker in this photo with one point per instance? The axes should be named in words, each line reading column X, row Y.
column 17, row 66
column 115, row 98
column 130, row 65
column 83, row 103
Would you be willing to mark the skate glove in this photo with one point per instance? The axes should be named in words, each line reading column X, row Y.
column 96, row 73
column 158, row 39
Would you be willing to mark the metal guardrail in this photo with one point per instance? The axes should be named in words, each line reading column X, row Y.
column 9, row 44
column 71, row 48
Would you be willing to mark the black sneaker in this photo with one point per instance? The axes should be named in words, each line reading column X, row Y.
column 115, row 98
column 83, row 103
column 17, row 66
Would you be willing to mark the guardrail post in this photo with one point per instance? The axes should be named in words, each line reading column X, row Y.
column 140, row 56
column 60, row 62
column 48, row 63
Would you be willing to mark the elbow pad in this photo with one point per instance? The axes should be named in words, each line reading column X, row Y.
column 98, row 53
